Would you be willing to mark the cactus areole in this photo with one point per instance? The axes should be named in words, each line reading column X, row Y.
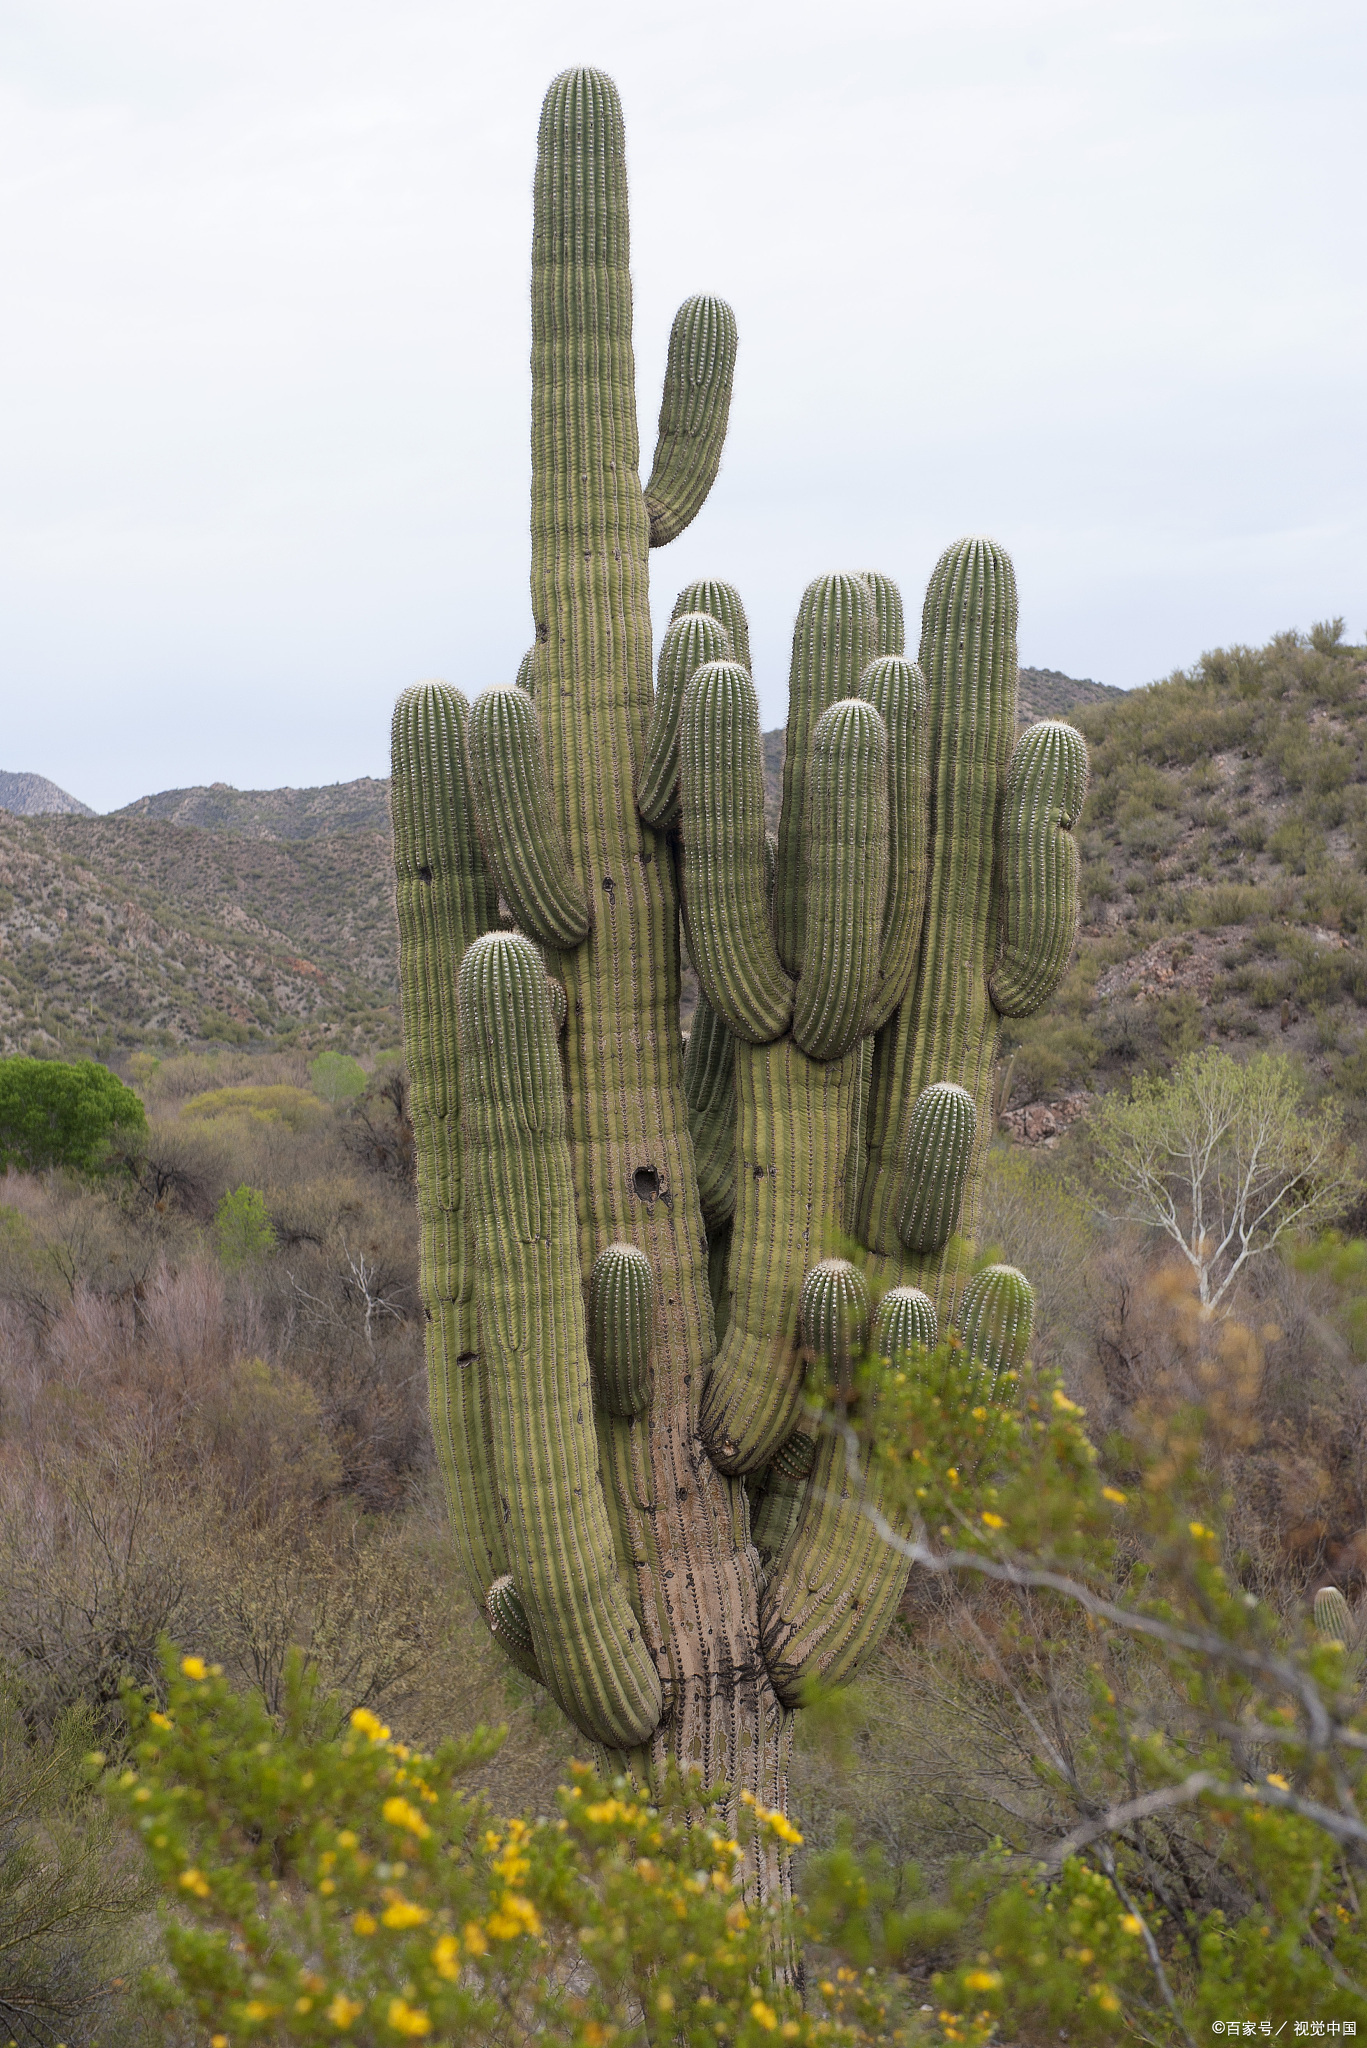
column 614, row 1250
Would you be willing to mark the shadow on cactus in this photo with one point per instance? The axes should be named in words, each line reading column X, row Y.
column 629, row 1253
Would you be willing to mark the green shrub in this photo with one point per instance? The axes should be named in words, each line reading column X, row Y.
column 243, row 1228
column 337, row 1077
column 53, row 1114
column 277, row 1103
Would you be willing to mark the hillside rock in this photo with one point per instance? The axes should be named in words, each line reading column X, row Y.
column 359, row 806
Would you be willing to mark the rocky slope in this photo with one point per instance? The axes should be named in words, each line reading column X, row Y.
column 33, row 796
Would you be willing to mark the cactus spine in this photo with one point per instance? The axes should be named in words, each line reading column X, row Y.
column 591, row 1430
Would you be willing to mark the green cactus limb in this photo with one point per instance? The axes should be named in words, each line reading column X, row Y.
column 710, row 1091
column 996, row 1321
column 905, row 1325
column 722, row 602
column 833, row 1317
column 946, row 1028
column 847, row 878
column 940, row 1147
column 525, row 679
column 781, row 1496
column 620, row 1328
column 445, row 899
column 693, row 639
column 793, row 1135
column 897, row 690
column 1334, row 1617
column 693, row 415
column 587, row 1638
column 1039, row 867
column 516, row 823
column 835, row 1585
column 833, row 641
column 725, row 888
column 508, row 1625
column 890, row 633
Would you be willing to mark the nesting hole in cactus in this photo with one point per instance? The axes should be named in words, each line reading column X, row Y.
column 609, row 888
column 647, row 1183
column 424, row 874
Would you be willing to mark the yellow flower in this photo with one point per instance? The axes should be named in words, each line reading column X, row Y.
column 400, row 1814
column 1132, row 1924
column 1064, row 1405
column 161, row 1720
column 993, row 1521
column 1273, row 1778
column 302, row 2005
column 407, row 2019
column 983, row 1980
column 473, row 1935
column 1199, row 1529
column 444, row 1958
column 344, row 2010
column 513, row 1917
column 218, row 2041
column 194, row 1667
column 366, row 1723
column 790, row 2030
column 665, row 2002
column 194, row 1881
column 365, row 1923
column 257, row 2009
column 1114, row 1493
column 764, row 2015
column 1105, row 1998
column 403, row 1913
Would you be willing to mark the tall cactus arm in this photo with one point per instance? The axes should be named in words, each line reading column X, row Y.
column 889, row 633
column 725, row 867
column 445, row 900
column 946, row 1028
column 897, row 691
column 1038, row 865
column 847, row 877
column 832, row 645
column 722, row 601
column 525, row 678
column 710, row 1092
column 516, row 825
column 587, row 1638
column 693, row 415
column 693, row 639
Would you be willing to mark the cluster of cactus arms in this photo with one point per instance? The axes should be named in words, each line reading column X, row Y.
column 632, row 1257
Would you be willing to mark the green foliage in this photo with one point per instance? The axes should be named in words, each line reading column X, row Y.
column 337, row 1077
column 320, row 1886
column 243, row 1228
column 274, row 1102
column 53, row 1114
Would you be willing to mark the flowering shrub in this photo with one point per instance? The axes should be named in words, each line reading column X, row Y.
column 348, row 1890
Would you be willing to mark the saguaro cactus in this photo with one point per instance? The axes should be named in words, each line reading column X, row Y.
column 600, row 1447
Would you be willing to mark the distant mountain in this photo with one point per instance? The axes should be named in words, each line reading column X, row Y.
column 1048, row 693
column 33, row 796
column 360, row 806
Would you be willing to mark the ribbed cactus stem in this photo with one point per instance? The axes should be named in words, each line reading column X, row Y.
column 1039, row 864
column 889, row 626
column 722, row 601
column 725, row 887
column 621, row 1328
column 835, row 1321
column 905, row 1325
column 516, row 824
column 785, row 1485
column 847, row 878
column 897, row 691
column 586, row 1636
column 525, row 679
column 445, row 899
column 1334, row 1618
column 692, row 640
column 833, row 641
column 940, row 1143
column 710, row 1091
column 508, row 1624
column 693, row 415
column 996, row 1322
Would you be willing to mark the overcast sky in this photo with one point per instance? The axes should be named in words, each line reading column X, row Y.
column 1087, row 276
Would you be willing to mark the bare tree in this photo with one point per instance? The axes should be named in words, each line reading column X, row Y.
column 1224, row 1160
